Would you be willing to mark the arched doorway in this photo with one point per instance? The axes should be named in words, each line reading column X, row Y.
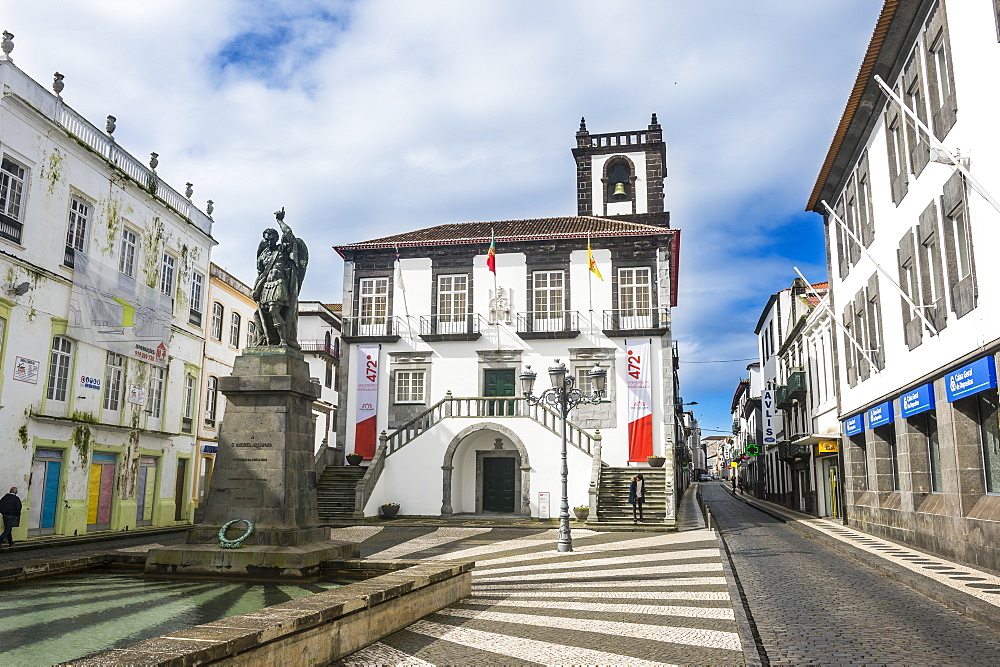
column 501, row 471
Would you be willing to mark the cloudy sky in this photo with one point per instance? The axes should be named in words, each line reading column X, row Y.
column 373, row 117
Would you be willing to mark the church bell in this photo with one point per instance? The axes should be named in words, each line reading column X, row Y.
column 620, row 189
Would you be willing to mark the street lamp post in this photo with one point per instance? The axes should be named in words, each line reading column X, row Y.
column 562, row 396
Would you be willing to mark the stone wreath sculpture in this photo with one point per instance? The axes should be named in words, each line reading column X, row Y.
column 238, row 542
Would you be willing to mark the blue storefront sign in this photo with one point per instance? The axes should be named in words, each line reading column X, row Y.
column 209, row 449
column 880, row 415
column 854, row 425
column 917, row 400
column 972, row 379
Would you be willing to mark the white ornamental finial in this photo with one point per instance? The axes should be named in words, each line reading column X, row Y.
column 7, row 45
column 57, row 84
column 109, row 126
column 210, row 208
column 189, row 190
column 154, row 160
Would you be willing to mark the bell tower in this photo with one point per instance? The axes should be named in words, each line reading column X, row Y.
column 620, row 173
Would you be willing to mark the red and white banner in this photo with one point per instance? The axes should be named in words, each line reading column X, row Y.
column 640, row 399
column 366, row 401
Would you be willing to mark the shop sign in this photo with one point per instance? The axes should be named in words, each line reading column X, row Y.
column 854, row 425
column 826, row 447
column 209, row 449
column 88, row 382
column 771, row 419
column 972, row 379
column 917, row 400
column 880, row 415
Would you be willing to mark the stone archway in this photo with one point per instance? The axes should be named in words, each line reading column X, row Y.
column 447, row 468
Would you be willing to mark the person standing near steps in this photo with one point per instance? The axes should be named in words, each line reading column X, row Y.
column 636, row 497
column 10, row 508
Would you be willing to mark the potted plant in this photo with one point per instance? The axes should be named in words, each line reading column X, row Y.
column 581, row 512
column 389, row 510
column 655, row 461
column 354, row 458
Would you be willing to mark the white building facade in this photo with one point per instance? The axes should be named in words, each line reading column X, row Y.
column 101, row 322
column 918, row 396
column 435, row 343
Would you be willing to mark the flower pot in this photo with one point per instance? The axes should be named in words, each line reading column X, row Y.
column 655, row 461
column 581, row 513
column 389, row 511
column 354, row 459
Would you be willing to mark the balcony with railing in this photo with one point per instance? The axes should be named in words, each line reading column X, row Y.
column 436, row 328
column 552, row 324
column 781, row 398
column 10, row 228
column 636, row 322
column 797, row 383
column 322, row 346
column 372, row 329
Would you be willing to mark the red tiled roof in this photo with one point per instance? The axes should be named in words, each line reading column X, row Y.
column 508, row 231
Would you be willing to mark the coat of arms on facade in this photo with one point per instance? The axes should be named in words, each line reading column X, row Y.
column 500, row 305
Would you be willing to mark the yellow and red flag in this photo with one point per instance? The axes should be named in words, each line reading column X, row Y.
column 591, row 261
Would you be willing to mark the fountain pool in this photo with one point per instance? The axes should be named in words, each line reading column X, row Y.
column 59, row 618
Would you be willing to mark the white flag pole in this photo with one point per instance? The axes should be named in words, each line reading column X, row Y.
column 864, row 250
column 955, row 162
column 825, row 302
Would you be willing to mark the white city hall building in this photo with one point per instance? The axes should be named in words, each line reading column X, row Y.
column 436, row 342
column 102, row 314
column 917, row 350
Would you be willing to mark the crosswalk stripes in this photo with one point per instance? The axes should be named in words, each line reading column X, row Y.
column 621, row 598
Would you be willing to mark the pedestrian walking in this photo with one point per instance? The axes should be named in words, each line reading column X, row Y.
column 10, row 508
column 636, row 497
column 733, row 480
column 740, row 485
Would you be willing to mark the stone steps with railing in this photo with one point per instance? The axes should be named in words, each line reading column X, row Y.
column 473, row 407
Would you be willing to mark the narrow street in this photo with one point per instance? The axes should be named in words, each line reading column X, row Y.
column 814, row 606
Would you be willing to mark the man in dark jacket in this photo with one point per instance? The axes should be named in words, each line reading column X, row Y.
column 10, row 508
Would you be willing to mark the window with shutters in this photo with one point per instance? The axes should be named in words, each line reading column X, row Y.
column 909, row 282
column 113, row 381
column 168, row 270
column 898, row 169
column 940, row 74
column 959, row 248
column 157, row 378
column 59, row 363
column 13, row 179
column 197, row 292
column 76, row 232
column 127, row 252
column 932, row 291
column 218, row 311
column 913, row 97
column 211, row 400
column 235, row 324
column 873, row 318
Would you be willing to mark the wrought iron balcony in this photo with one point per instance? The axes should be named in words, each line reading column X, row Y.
column 781, row 398
column 548, row 324
column 797, row 383
column 371, row 329
column 434, row 328
column 321, row 346
column 646, row 321
column 10, row 228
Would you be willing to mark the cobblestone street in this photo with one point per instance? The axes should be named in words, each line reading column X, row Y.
column 815, row 606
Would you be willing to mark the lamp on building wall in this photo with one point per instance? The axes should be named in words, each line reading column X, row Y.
column 562, row 396
column 18, row 290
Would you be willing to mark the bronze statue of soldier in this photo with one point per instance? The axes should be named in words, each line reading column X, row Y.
column 281, row 266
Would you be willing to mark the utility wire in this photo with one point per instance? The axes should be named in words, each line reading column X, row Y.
column 719, row 361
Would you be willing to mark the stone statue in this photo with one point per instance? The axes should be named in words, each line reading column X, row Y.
column 281, row 266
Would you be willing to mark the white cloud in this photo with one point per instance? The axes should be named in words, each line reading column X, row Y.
column 373, row 117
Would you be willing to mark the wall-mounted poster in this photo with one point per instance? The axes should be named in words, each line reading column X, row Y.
column 26, row 370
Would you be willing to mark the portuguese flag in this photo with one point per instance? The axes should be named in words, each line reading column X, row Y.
column 491, row 254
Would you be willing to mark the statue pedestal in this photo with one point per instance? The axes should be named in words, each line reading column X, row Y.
column 265, row 474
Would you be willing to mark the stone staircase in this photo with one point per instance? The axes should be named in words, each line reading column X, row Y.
column 612, row 499
column 335, row 491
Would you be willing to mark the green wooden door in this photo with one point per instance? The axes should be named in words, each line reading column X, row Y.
column 500, row 383
column 498, row 484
